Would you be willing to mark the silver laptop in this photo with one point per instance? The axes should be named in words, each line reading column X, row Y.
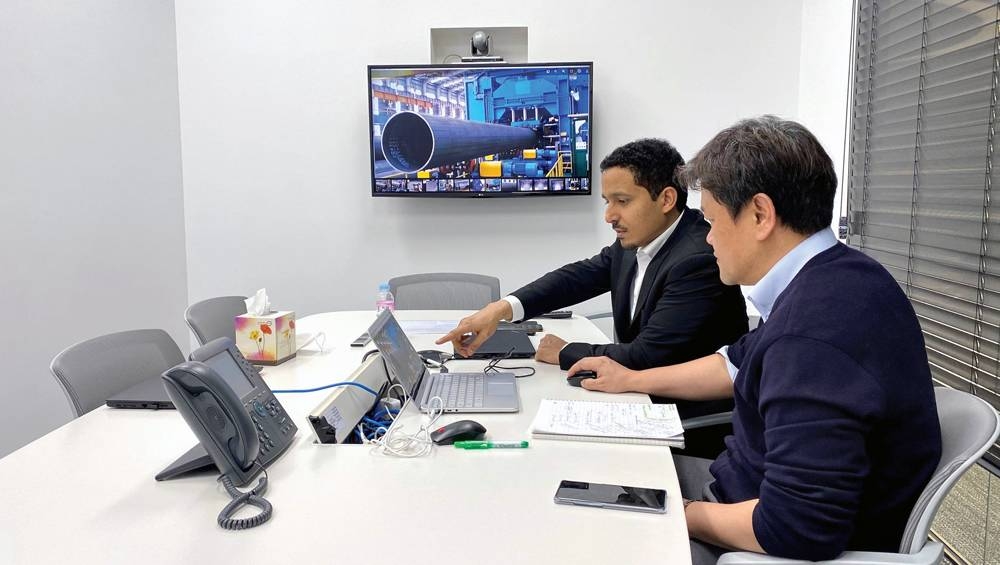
column 460, row 392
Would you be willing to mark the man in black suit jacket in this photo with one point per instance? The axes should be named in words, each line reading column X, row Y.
column 668, row 303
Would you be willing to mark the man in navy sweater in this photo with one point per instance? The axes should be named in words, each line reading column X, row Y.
column 835, row 427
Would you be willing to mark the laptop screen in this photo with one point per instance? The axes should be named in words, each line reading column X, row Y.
column 402, row 361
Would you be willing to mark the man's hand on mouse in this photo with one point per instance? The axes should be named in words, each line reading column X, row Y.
column 473, row 330
column 611, row 376
column 549, row 348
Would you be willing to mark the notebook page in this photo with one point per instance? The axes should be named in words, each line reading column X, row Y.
column 607, row 419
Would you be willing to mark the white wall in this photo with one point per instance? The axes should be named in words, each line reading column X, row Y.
column 274, row 129
column 91, row 224
column 823, row 80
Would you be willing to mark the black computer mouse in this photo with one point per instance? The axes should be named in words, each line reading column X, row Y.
column 462, row 430
column 577, row 379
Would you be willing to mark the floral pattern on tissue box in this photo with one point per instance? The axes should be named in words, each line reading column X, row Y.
column 268, row 339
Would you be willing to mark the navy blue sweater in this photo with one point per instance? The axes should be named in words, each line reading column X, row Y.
column 835, row 425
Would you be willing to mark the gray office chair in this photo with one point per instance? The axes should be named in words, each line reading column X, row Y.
column 444, row 291
column 91, row 371
column 603, row 316
column 213, row 318
column 969, row 426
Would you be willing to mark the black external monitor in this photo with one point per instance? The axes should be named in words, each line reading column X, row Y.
column 480, row 130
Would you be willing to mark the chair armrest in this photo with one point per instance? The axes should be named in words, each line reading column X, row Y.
column 750, row 558
column 707, row 420
column 930, row 554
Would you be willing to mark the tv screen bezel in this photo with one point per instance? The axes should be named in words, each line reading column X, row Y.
column 515, row 194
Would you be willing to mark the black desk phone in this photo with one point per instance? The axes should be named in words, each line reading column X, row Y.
column 231, row 410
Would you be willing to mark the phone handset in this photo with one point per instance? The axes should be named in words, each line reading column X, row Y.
column 220, row 421
column 217, row 416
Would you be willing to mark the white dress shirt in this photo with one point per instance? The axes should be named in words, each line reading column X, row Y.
column 763, row 294
column 643, row 256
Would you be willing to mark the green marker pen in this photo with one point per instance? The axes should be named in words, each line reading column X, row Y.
column 490, row 444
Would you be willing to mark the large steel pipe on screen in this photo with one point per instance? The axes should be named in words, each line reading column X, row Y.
column 413, row 142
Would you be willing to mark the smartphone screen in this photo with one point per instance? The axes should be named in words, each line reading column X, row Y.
column 612, row 496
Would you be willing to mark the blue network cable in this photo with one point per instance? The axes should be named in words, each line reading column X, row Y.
column 344, row 383
column 378, row 417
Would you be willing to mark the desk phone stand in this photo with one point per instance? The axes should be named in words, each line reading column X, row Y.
column 195, row 459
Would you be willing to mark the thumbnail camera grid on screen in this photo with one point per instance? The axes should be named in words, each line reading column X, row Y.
column 480, row 130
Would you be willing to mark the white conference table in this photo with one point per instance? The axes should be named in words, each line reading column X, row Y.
column 85, row 492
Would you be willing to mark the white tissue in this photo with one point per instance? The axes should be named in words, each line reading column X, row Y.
column 258, row 304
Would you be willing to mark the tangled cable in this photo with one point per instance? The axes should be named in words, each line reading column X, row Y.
column 392, row 440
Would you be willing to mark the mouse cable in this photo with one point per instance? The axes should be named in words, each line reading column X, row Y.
column 342, row 383
column 252, row 497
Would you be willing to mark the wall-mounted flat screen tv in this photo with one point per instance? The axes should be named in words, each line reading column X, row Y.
column 480, row 130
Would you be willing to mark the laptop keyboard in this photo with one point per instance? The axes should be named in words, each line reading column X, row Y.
column 460, row 390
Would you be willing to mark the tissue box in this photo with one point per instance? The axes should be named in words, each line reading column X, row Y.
column 267, row 339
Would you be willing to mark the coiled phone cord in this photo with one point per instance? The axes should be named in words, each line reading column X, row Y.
column 252, row 497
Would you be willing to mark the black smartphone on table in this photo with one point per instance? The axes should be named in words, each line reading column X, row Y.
column 617, row 497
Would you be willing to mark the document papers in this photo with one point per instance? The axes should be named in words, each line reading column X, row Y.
column 431, row 327
column 610, row 422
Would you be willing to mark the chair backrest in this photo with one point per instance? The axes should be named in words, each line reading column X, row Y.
column 91, row 371
column 444, row 291
column 605, row 316
column 969, row 426
column 213, row 318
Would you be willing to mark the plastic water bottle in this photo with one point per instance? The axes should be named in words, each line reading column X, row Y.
column 385, row 300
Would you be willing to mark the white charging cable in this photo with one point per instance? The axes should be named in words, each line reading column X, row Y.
column 394, row 441
column 319, row 339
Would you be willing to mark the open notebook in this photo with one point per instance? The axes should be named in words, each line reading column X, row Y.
column 609, row 422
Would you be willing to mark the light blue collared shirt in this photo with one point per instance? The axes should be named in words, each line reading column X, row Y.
column 763, row 294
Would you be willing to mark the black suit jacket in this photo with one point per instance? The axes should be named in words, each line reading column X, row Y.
column 684, row 311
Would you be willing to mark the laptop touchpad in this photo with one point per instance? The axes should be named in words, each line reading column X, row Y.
column 494, row 389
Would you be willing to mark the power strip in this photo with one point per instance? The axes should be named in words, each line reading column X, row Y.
column 337, row 416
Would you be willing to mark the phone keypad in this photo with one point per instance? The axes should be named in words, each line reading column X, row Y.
column 270, row 420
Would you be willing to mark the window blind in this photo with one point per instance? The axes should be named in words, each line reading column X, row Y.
column 920, row 181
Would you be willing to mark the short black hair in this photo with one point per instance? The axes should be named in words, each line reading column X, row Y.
column 654, row 164
column 768, row 155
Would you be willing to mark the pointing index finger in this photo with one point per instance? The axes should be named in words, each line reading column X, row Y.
column 453, row 335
